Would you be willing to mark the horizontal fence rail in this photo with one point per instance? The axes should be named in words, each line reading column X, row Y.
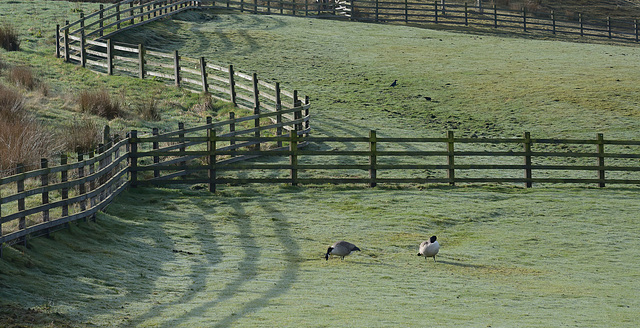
column 373, row 160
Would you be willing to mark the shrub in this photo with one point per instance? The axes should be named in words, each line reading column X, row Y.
column 9, row 38
column 99, row 103
column 23, row 76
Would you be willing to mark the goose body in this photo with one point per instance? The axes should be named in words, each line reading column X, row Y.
column 429, row 248
column 341, row 248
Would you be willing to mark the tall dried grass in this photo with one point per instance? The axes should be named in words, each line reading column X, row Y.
column 99, row 103
column 9, row 38
column 23, row 77
column 22, row 139
column 82, row 135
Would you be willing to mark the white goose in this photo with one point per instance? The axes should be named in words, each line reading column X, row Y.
column 341, row 248
column 429, row 248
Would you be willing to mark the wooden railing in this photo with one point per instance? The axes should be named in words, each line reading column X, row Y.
column 86, row 43
column 373, row 160
column 33, row 203
column 417, row 12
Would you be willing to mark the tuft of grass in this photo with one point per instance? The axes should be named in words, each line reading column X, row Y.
column 99, row 103
column 148, row 109
column 23, row 76
column 9, row 39
column 82, row 135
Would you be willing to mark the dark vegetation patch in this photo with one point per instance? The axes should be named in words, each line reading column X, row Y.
column 9, row 38
column 12, row 316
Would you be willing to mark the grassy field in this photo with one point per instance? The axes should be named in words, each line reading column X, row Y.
column 253, row 256
column 485, row 85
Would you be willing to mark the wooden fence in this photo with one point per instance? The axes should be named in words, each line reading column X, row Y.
column 35, row 202
column 372, row 160
column 87, row 46
column 441, row 12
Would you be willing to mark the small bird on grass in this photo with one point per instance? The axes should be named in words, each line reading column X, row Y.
column 341, row 248
column 429, row 248
column 395, row 82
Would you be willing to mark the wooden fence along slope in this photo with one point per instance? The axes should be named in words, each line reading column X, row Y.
column 33, row 203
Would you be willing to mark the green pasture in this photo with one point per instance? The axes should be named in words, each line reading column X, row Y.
column 487, row 85
column 252, row 256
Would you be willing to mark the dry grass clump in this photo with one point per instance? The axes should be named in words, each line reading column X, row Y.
column 82, row 135
column 23, row 77
column 148, row 109
column 99, row 103
column 9, row 38
column 22, row 139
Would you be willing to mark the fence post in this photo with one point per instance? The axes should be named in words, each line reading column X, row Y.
column 444, row 13
column 118, row 16
column 92, row 183
column 57, row 40
column 524, row 18
column 109, row 57
column 141, row 72
column 495, row 16
column 81, row 187
column 553, row 21
column 527, row 160
column 609, row 26
column 293, row 157
column 44, row 179
column 232, row 86
column 377, row 9
column 101, row 15
column 601, row 171
column 131, row 21
column 451, row 174
column 203, row 75
column 581, row 25
column 307, row 124
column 133, row 157
column 232, row 126
column 373, row 156
column 297, row 115
column 278, row 113
column 466, row 14
column 64, row 177
column 156, row 159
column 183, row 148
column 22, row 223
column 103, row 175
column 406, row 11
column 211, row 149
column 66, row 45
column 435, row 12
column 635, row 27
column 176, row 67
column 83, row 51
